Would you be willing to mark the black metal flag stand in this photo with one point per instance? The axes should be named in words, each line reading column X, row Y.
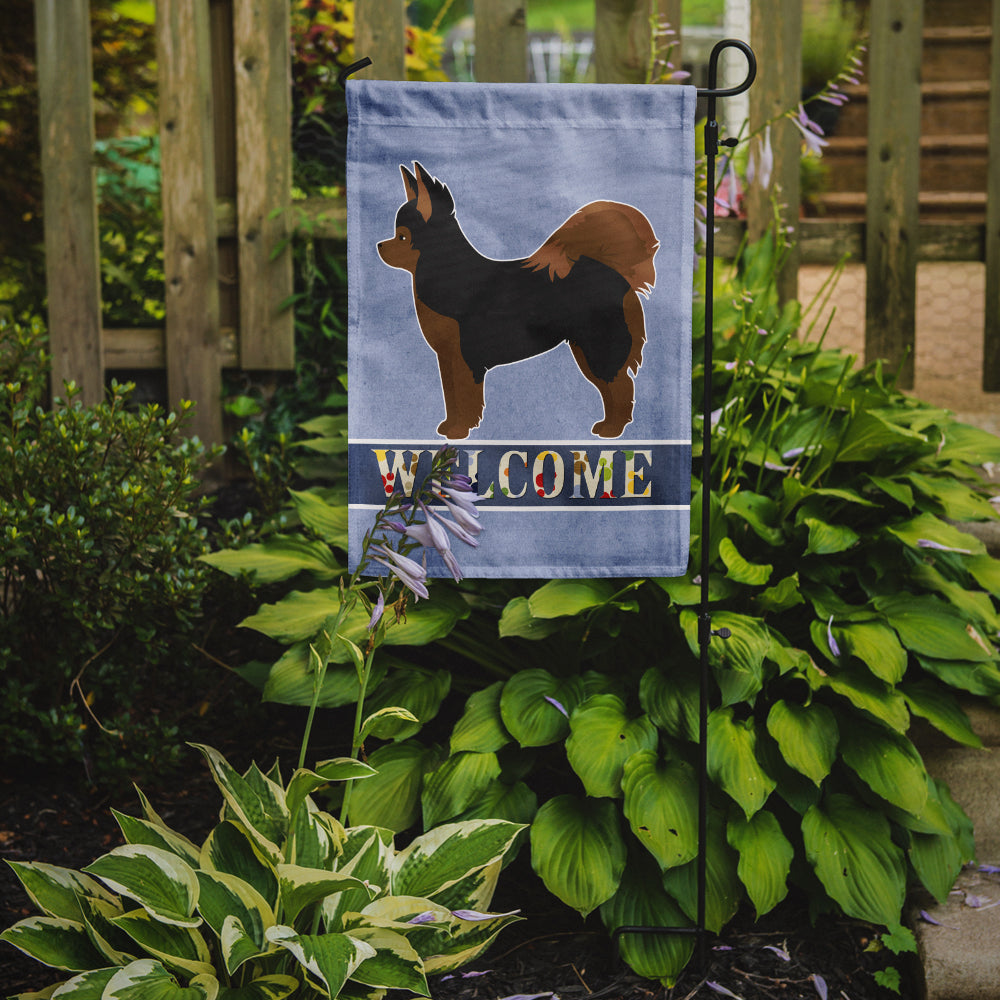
column 705, row 631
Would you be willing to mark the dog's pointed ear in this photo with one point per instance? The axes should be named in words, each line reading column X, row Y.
column 409, row 182
column 432, row 195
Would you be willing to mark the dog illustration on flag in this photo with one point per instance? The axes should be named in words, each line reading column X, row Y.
column 582, row 286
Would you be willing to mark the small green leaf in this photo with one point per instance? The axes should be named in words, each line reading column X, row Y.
column 535, row 706
column 481, row 727
column 807, row 736
column 559, row 598
column 456, row 784
column 765, row 858
column 732, row 760
column 279, row 558
column 739, row 569
column 828, row 539
column 888, row 763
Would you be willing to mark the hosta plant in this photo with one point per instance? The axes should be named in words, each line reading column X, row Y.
column 279, row 900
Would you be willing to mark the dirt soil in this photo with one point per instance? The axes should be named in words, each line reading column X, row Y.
column 551, row 953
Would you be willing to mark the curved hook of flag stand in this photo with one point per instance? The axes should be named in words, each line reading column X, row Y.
column 705, row 631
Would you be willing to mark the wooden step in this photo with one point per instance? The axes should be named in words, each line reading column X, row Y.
column 957, row 206
column 956, row 53
column 947, row 162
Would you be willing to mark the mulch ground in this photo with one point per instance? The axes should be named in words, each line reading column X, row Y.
column 552, row 952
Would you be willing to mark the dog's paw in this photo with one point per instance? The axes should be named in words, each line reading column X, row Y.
column 453, row 431
column 608, row 428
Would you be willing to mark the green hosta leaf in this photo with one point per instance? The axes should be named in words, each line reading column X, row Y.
column 327, row 520
column 986, row 571
column 758, row 511
column 180, row 948
column 661, row 799
column 301, row 887
column 602, row 738
column 456, row 784
column 440, row 858
column 783, row 595
column 230, row 849
column 976, row 678
column 391, row 798
column 275, row 987
column 684, row 592
column 159, row 881
column 957, row 501
column 415, row 689
column 330, row 959
column 850, row 847
column 976, row 605
column 723, row 889
column 517, row 620
column 941, row 709
column 893, row 488
column 739, row 569
column 528, row 710
column 56, row 891
column 395, row 964
column 738, row 661
column 732, row 760
column 807, row 736
column 827, row 539
column 225, row 897
column 558, row 598
column 765, row 858
column 641, row 901
column 876, row 646
column 671, row 699
column 932, row 628
column 279, row 558
column 937, row 859
column 578, row 851
column 387, row 723
column 888, row 763
column 54, row 941
column 928, row 528
column 141, row 831
column 965, row 443
column 260, row 809
column 304, row 782
column 481, row 728
column 869, row 436
column 291, row 680
column 515, row 803
column 147, row 979
column 865, row 692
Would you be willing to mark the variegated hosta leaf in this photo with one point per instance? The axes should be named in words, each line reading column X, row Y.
column 230, row 849
column 535, row 706
column 723, row 889
column 158, row 880
column 850, row 847
column 441, row 857
column 141, row 831
column 274, row 987
column 315, row 838
column 256, row 801
column 56, row 891
column 329, row 959
column 225, row 897
column 578, row 851
column 661, row 799
column 807, row 736
column 86, row 986
column 367, row 853
column 642, row 902
column 149, row 980
column 304, row 782
column 54, row 941
column 98, row 915
column 465, row 942
column 732, row 760
column 602, row 737
column 456, row 784
column 300, row 887
column 476, row 890
column 177, row 947
column 481, row 727
column 395, row 964
column 765, row 858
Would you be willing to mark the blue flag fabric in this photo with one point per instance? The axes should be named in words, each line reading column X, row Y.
column 520, row 261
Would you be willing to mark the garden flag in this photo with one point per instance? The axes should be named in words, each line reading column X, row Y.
column 520, row 274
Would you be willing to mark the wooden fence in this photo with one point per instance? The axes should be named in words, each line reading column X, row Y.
column 226, row 161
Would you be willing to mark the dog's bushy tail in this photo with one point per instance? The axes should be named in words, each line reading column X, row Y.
column 617, row 235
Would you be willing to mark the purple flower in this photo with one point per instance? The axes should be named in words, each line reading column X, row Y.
column 780, row 952
column 558, row 705
column 719, row 988
column 462, row 533
column 811, row 132
column 475, row 915
column 410, row 573
column 820, row 983
column 927, row 543
column 427, row 917
column 377, row 611
column 834, row 648
column 761, row 162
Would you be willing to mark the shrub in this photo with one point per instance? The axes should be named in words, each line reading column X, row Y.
column 280, row 899
column 99, row 539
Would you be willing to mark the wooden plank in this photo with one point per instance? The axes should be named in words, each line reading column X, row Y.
column 501, row 38
column 893, row 184
column 776, row 35
column 72, row 257
column 991, row 332
column 190, row 253
column 262, row 62
column 380, row 34
column 621, row 40
column 144, row 348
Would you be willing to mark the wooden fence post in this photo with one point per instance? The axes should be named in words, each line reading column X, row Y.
column 621, row 40
column 991, row 332
column 893, row 183
column 262, row 61
column 501, row 41
column 776, row 35
column 380, row 34
column 72, row 256
column 190, row 251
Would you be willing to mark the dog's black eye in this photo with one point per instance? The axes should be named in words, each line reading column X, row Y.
column 402, row 236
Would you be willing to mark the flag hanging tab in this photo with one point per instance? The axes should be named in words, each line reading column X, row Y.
column 520, row 264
